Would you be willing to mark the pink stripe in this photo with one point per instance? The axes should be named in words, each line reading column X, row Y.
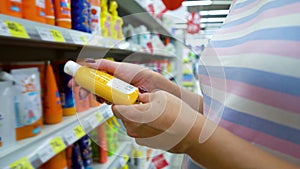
column 257, row 94
column 263, row 139
column 289, row 9
column 282, row 48
column 245, row 8
column 279, row 48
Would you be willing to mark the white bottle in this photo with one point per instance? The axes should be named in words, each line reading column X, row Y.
column 7, row 115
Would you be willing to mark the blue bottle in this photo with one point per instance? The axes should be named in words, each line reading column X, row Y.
column 80, row 12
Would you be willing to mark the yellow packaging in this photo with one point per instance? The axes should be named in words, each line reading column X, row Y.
column 102, row 84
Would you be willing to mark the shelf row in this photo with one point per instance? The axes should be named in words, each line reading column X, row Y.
column 37, row 41
column 54, row 138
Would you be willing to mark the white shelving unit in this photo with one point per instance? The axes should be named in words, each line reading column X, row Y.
column 23, row 40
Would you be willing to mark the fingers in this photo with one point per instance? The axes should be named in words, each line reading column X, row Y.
column 144, row 98
column 103, row 65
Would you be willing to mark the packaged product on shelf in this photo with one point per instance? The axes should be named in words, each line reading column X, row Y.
column 66, row 93
column 34, row 10
column 76, row 157
column 50, row 18
column 80, row 12
column 7, row 115
column 69, row 156
column 52, row 112
column 63, row 13
column 92, row 100
column 112, row 136
column 27, row 102
column 11, row 7
column 99, row 144
column 81, row 99
column 86, row 151
column 116, row 21
column 105, row 20
column 102, row 84
column 59, row 161
column 95, row 16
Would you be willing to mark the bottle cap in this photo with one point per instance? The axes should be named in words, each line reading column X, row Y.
column 71, row 68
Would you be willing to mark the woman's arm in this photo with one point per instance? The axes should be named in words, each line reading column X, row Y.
column 225, row 150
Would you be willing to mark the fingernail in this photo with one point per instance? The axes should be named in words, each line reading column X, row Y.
column 89, row 60
column 142, row 90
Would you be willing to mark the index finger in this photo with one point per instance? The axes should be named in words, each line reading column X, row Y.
column 104, row 65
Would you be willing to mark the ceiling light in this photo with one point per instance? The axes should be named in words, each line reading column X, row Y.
column 196, row 3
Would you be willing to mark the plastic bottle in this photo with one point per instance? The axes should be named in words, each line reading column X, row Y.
column 63, row 13
column 34, row 10
column 82, row 99
column 59, row 161
column 105, row 20
column 102, row 84
column 7, row 115
column 95, row 16
column 116, row 22
column 80, row 12
column 50, row 18
column 11, row 7
column 52, row 112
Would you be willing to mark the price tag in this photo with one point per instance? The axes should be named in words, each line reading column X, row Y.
column 57, row 36
column 70, row 137
column 50, row 35
column 16, row 29
column 93, row 121
column 57, row 144
column 124, row 160
column 22, row 163
column 79, row 39
column 79, row 132
column 3, row 29
column 46, row 153
column 99, row 117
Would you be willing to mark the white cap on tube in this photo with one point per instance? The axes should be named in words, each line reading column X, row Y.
column 71, row 67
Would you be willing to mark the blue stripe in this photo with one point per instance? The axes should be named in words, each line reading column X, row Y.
column 267, row 6
column 255, row 123
column 283, row 33
column 268, row 80
column 243, row 4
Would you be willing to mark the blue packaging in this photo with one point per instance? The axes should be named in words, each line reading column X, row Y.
column 85, row 145
column 80, row 12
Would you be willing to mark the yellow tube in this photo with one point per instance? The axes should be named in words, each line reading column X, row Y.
column 102, row 84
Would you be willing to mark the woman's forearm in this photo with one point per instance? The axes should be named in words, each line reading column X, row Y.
column 225, row 150
column 192, row 99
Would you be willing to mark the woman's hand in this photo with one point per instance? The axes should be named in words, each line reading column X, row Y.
column 162, row 121
column 143, row 78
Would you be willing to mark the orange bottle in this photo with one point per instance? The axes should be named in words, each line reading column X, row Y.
column 53, row 111
column 59, row 161
column 34, row 10
column 50, row 18
column 63, row 13
column 11, row 7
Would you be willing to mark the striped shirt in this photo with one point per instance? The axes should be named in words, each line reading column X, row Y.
column 250, row 75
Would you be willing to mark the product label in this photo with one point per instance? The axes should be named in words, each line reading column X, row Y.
column 16, row 29
column 79, row 39
column 50, row 35
column 28, row 97
column 22, row 163
column 121, row 86
column 40, row 3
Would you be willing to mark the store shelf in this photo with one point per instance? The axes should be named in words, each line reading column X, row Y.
column 117, row 160
column 133, row 13
column 36, row 149
column 24, row 40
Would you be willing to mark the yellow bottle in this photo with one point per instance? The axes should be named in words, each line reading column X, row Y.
column 105, row 20
column 117, row 21
column 102, row 84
